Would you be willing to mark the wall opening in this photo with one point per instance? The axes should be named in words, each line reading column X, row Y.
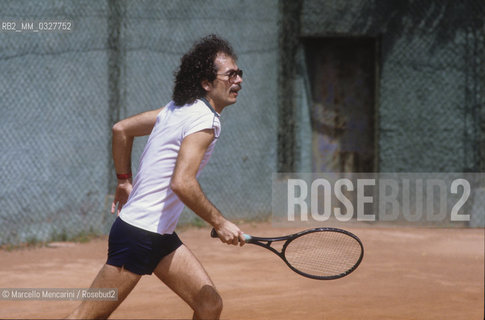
column 342, row 74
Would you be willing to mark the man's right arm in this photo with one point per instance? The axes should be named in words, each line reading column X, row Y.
column 124, row 132
column 185, row 185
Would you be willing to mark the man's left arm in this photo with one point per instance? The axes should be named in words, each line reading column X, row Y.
column 124, row 133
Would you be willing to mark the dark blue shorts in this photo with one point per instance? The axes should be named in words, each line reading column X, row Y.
column 138, row 250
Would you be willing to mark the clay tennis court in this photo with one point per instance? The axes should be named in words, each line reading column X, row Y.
column 407, row 273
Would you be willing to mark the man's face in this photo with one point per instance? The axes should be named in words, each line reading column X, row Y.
column 223, row 91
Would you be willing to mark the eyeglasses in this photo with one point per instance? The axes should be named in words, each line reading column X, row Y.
column 232, row 74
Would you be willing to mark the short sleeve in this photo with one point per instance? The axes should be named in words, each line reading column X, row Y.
column 203, row 122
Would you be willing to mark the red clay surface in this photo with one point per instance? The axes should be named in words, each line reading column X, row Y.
column 407, row 273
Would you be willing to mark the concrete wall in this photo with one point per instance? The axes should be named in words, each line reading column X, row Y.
column 428, row 87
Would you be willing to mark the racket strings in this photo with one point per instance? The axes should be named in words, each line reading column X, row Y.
column 323, row 254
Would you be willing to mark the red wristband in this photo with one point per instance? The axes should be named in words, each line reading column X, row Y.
column 124, row 176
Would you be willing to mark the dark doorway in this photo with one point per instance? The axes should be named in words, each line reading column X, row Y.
column 342, row 79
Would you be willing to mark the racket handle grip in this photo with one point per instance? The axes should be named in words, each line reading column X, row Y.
column 214, row 234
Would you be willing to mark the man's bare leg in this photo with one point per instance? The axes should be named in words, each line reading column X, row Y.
column 108, row 277
column 183, row 273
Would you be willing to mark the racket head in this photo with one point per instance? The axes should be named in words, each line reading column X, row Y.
column 323, row 253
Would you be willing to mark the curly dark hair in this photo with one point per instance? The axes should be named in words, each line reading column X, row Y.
column 198, row 65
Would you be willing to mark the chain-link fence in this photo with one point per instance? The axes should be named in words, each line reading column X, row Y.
column 429, row 85
column 62, row 91
column 429, row 70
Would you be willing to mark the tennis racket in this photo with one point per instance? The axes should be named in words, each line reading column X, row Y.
column 320, row 253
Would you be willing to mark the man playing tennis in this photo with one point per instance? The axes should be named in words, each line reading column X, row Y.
column 182, row 137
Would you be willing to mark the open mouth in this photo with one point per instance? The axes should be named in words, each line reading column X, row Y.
column 235, row 90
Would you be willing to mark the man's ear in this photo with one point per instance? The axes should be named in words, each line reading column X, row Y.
column 206, row 85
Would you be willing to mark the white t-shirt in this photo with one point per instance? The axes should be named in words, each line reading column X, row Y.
column 152, row 204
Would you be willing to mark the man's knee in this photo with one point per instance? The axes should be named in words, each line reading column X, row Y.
column 209, row 303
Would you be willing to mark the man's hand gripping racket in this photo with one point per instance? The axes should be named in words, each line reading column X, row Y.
column 320, row 253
